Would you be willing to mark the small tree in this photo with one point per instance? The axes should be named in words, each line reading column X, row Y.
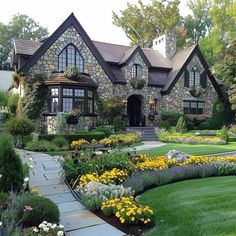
column 181, row 125
column 11, row 168
column 224, row 134
column 19, row 127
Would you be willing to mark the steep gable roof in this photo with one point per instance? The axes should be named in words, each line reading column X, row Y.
column 179, row 64
column 25, row 47
column 70, row 21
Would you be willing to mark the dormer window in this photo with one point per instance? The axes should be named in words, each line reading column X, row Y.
column 194, row 77
column 136, row 70
column 70, row 56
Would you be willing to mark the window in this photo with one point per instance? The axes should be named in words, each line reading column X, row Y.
column 54, row 100
column 68, row 98
column 136, row 70
column 194, row 107
column 194, row 77
column 70, row 56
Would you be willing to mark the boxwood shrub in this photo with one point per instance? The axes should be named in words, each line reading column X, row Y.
column 77, row 135
column 43, row 210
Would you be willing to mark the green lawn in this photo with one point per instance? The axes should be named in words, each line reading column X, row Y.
column 194, row 149
column 202, row 207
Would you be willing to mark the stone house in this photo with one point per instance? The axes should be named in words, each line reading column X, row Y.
column 147, row 80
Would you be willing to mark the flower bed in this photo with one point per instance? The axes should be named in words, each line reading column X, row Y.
column 189, row 138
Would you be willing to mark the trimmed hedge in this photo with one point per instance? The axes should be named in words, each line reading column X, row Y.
column 88, row 136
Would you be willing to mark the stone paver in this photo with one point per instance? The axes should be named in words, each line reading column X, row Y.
column 97, row 230
column 147, row 145
column 46, row 178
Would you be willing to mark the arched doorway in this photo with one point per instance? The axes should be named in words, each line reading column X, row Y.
column 134, row 110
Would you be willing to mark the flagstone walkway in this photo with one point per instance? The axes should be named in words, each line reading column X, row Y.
column 46, row 178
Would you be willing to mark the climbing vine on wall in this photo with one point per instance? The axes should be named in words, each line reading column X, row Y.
column 35, row 93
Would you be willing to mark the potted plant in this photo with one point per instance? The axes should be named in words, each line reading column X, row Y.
column 196, row 91
column 137, row 82
column 72, row 72
column 72, row 116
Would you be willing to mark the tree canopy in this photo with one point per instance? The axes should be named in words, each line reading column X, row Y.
column 20, row 26
column 142, row 23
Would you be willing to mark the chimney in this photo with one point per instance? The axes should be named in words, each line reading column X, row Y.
column 166, row 45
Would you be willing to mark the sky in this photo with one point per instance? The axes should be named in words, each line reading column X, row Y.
column 94, row 15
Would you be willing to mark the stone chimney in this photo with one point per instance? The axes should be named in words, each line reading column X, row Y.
column 166, row 45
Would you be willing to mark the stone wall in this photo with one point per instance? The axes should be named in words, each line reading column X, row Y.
column 174, row 100
column 147, row 93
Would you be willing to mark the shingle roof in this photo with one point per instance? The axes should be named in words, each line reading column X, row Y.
column 25, row 47
column 178, row 62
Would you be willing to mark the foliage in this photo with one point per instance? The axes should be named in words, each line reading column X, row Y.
column 78, row 144
column 164, row 124
column 142, row 23
column 223, row 134
column 87, row 135
column 171, row 117
column 19, row 127
column 219, row 115
column 11, row 168
column 12, row 102
column 128, row 211
column 181, row 125
column 43, row 146
column 45, row 228
column 107, row 129
column 3, row 98
column 206, row 124
column 137, row 83
column 94, row 194
column 111, row 108
column 152, row 163
column 60, row 141
column 72, row 72
column 43, row 209
column 118, row 124
column 35, row 95
column 20, row 26
column 188, row 138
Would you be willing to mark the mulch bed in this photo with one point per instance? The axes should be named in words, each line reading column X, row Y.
column 130, row 230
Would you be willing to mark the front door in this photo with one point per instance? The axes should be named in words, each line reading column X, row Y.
column 134, row 110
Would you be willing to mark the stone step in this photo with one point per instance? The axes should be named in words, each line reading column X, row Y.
column 147, row 133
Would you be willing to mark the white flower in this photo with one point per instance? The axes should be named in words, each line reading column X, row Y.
column 41, row 225
column 44, row 222
column 26, row 179
column 35, row 230
column 60, row 233
column 0, row 223
column 53, row 226
column 31, row 166
column 0, row 176
column 49, row 224
column 45, row 229
column 61, row 226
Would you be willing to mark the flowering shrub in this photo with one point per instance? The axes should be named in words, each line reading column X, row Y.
column 225, row 167
column 189, row 138
column 94, row 194
column 46, row 228
column 114, row 176
column 127, row 210
column 106, row 142
column 78, row 144
column 152, row 163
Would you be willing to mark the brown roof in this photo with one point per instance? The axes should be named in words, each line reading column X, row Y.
column 25, row 47
column 178, row 62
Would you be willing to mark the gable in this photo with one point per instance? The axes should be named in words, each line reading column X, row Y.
column 175, row 74
column 76, row 35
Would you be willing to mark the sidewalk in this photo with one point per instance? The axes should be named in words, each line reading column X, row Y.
column 46, row 178
column 147, row 145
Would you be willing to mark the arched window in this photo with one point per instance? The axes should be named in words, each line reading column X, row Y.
column 136, row 70
column 70, row 56
column 194, row 77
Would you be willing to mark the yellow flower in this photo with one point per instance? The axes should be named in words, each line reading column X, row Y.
column 122, row 220
column 118, row 214
column 132, row 219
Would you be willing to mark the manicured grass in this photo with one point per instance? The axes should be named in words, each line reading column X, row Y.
column 193, row 149
column 202, row 207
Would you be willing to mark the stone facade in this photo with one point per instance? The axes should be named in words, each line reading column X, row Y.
column 147, row 93
column 174, row 100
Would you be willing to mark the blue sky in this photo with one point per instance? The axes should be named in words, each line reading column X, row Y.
column 95, row 16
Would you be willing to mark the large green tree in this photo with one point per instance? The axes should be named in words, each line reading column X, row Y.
column 142, row 23
column 198, row 24
column 20, row 26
